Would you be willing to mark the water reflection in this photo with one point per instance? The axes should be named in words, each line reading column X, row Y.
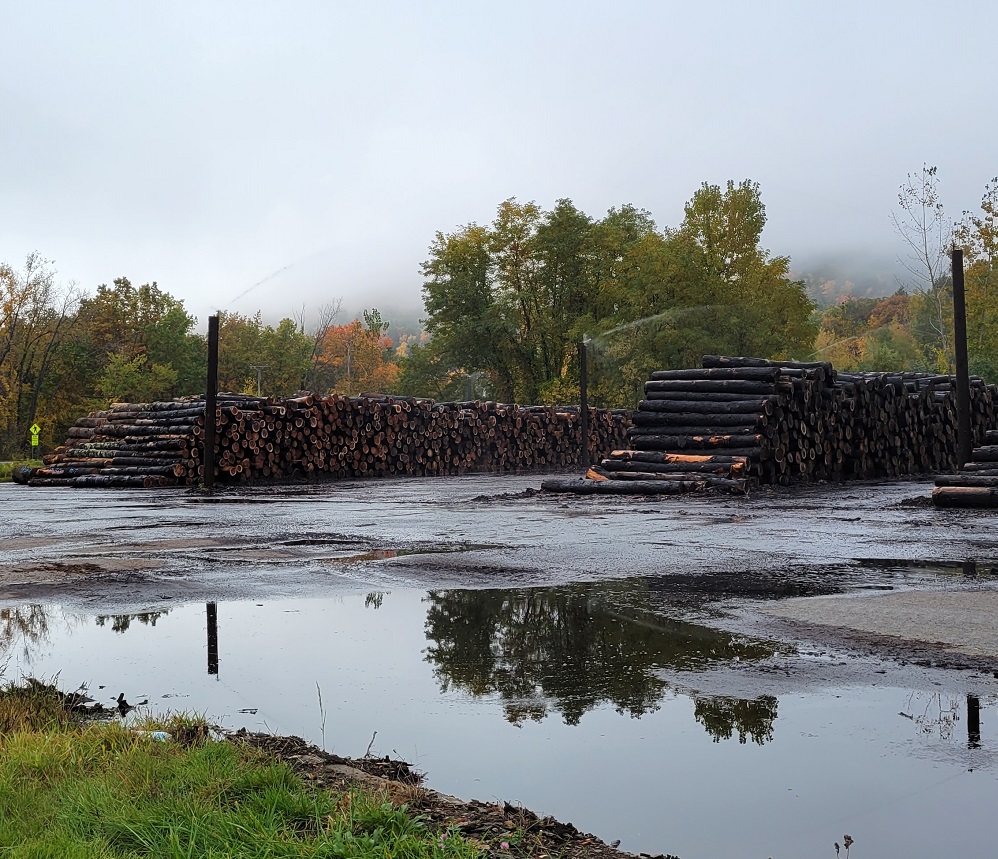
column 753, row 720
column 211, row 612
column 572, row 648
column 973, row 722
column 121, row 622
column 24, row 625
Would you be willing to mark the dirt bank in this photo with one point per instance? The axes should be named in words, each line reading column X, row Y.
column 503, row 829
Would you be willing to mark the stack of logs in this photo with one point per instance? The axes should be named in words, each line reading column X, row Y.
column 740, row 421
column 976, row 485
column 156, row 444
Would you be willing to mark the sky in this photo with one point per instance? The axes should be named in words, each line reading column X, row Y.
column 279, row 156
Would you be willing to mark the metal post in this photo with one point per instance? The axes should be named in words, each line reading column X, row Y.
column 964, row 441
column 208, row 460
column 584, row 402
column 259, row 376
column 212, row 612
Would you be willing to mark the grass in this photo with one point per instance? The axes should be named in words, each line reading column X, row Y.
column 73, row 789
column 7, row 468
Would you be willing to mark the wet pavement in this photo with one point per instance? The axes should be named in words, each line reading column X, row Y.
column 630, row 665
column 114, row 547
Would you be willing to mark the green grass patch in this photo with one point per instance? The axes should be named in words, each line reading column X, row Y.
column 72, row 789
column 7, row 468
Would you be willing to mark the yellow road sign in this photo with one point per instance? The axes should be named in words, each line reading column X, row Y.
column 34, row 429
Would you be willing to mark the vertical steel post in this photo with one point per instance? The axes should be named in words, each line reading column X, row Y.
column 964, row 441
column 208, row 460
column 584, row 402
column 212, row 613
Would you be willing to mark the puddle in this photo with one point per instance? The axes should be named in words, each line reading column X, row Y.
column 570, row 700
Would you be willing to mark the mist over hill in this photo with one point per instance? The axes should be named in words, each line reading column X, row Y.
column 830, row 279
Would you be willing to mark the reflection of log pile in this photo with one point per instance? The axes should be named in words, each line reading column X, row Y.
column 744, row 420
column 976, row 485
column 156, row 444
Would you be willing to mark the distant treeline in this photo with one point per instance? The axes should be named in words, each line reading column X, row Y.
column 506, row 305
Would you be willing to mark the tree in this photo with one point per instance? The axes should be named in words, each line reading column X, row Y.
column 512, row 300
column 977, row 234
column 245, row 342
column 146, row 329
column 356, row 357
column 36, row 318
column 757, row 308
column 927, row 233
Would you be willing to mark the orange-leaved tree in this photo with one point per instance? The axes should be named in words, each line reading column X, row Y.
column 357, row 357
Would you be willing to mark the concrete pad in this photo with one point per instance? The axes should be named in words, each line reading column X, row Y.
column 964, row 621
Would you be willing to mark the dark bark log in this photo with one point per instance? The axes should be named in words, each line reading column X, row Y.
column 724, row 386
column 697, row 419
column 707, row 406
column 754, row 374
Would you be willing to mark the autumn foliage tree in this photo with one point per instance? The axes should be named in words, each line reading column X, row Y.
column 356, row 357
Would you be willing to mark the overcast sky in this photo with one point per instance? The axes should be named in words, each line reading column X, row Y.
column 208, row 145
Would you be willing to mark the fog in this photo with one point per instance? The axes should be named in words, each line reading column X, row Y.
column 273, row 156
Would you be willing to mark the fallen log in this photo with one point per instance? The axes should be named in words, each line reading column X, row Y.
column 987, row 453
column 975, row 480
column 694, row 442
column 733, row 469
column 964, row 496
column 708, row 386
column 581, row 486
column 754, row 374
column 706, row 406
column 725, row 361
column 696, row 419
column 680, row 458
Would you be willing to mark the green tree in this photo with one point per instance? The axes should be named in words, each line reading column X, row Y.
column 285, row 352
column 512, row 300
column 146, row 328
column 977, row 234
column 757, row 308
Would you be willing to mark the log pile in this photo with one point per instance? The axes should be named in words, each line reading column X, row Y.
column 741, row 421
column 976, row 484
column 158, row 444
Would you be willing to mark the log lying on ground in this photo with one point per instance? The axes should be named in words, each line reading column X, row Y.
column 582, row 486
column 964, row 496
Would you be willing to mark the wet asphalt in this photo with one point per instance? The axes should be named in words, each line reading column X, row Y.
column 119, row 548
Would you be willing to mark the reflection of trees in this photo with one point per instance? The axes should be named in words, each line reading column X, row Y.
column 568, row 648
column 121, row 622
column 723, row 716
column 27, row 623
